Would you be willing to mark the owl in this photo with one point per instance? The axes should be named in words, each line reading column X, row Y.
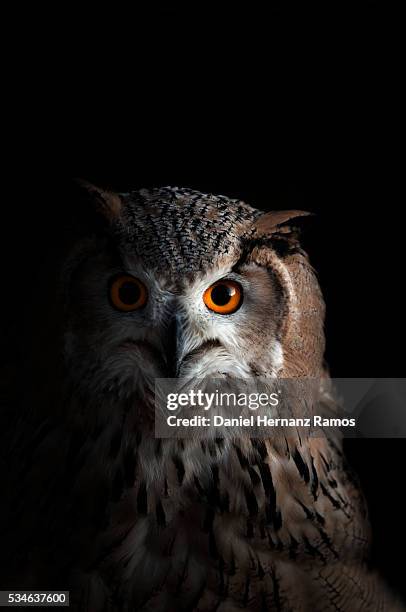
column 173, row 283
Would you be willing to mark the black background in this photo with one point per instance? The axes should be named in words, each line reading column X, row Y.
column 295, row 108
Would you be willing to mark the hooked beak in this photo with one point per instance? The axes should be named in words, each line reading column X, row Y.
column 172, row 347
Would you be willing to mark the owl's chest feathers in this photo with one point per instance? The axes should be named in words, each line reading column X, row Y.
column 222, row 508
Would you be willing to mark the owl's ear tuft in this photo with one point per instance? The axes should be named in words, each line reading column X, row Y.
column 281, row 228
column 107, row 203
column 276, row 222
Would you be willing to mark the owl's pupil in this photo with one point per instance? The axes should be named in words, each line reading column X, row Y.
column 129, row 293
column 221, row 294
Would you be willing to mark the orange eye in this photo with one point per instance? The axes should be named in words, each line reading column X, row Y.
column 127, row 293
column 223, row 297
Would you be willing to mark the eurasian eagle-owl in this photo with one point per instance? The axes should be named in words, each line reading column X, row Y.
column 181, row 284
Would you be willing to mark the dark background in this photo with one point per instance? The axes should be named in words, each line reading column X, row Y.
column 295, row 108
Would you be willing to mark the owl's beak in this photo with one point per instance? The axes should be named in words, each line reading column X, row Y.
column 171, row 348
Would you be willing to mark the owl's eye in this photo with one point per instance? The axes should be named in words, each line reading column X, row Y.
column 223, row 297
column 127, row 293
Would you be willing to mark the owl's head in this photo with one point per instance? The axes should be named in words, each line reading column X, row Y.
column 183, row 284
